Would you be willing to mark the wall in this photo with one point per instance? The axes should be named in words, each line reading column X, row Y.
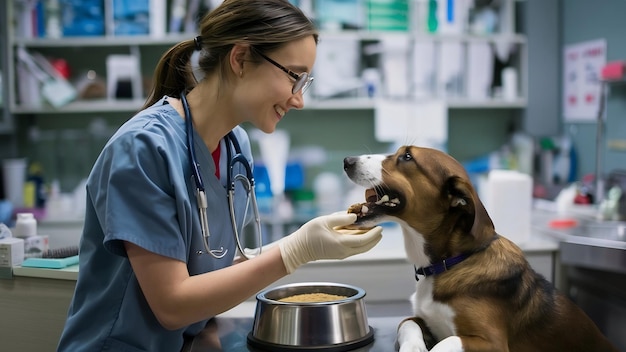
column 584, row 20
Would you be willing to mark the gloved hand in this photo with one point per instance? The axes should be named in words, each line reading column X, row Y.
column 317, row 239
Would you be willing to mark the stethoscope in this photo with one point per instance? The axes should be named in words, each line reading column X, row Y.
column 246, row 180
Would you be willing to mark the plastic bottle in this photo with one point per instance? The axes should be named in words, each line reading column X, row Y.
column 25, row 225
column 328, row 193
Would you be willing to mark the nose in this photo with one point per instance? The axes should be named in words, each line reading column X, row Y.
column 349, row 162
column 350, row 165
column 297, row 101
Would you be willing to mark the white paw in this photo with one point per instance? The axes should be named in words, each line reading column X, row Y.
column 410, row 338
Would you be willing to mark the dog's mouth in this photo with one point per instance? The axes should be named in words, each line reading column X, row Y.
column 379, row 201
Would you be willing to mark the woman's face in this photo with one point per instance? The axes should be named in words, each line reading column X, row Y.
column 265, row 90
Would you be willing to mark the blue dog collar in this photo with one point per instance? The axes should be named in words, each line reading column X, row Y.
column 441, row 266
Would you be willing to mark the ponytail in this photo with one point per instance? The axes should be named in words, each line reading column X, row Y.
column 173, row 73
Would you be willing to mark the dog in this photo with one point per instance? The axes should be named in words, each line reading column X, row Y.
column 475, row 290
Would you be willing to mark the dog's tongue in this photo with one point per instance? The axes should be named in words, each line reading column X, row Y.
column 370, row 195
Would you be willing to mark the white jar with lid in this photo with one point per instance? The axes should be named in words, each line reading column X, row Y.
column 25, row 225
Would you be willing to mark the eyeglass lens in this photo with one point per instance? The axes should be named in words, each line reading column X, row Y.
column 302, row 83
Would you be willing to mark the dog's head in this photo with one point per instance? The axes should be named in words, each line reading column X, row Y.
column 424, row 189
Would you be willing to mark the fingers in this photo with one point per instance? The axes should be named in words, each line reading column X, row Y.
column 340, row 219
column 367, row 240
column 349, row 231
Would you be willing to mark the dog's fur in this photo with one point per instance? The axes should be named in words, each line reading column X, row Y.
column 491, row 301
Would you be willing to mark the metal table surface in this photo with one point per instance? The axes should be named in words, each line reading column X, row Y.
column 230, row 335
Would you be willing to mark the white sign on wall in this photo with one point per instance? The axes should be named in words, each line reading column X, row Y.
column 582, row 88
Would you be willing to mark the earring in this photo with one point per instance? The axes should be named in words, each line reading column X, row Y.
column 241, row 73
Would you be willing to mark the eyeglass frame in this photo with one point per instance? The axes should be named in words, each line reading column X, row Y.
column 308, row 79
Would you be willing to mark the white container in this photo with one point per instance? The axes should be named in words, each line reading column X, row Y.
column 509, row 84
column 328, row 193
column 507, row 197
column 11, row 252
column 25, row 225
column 14, row 177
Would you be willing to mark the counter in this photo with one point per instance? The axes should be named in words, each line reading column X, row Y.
column 37, row 299
column 389, row 250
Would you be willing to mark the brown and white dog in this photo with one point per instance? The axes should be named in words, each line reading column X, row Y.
column 475, row 290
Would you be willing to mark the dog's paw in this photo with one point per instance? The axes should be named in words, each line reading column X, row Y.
column 408, row 347
column 410, row 338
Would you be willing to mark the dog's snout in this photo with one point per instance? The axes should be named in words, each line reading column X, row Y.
column 349, row 162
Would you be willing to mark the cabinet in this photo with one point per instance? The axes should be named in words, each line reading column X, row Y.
column 5, row 115
column 89, row 53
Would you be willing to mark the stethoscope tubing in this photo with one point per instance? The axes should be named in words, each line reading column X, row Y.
column 247, row 181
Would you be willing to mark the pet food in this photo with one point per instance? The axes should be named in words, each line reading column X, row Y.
column 312, row 298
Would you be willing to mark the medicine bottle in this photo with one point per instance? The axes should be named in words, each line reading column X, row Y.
column 25, row 225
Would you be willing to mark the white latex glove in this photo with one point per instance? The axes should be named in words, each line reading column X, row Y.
column 317, row 239
column 251, row 253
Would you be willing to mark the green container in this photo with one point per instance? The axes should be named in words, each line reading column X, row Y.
column 390, row 15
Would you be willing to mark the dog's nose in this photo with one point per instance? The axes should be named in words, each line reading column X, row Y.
column 349, row 162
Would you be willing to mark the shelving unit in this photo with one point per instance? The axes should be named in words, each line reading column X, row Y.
column 6, row 122
column 139, row 44
column 351, row 108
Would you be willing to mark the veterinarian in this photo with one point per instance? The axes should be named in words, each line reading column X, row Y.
column 155, row 265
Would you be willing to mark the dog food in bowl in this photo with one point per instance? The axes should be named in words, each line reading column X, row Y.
column 312, row 298
column 323, row 316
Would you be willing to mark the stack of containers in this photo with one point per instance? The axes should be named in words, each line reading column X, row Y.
column 26, row 228
column 11, row 248
column 388, row 15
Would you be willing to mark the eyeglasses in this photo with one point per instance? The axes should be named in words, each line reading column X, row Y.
column 303, row 80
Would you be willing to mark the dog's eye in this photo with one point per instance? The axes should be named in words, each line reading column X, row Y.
column 407, row 156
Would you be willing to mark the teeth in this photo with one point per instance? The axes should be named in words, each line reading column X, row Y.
column 280, row 112
column 364, row 209
column 382, row 200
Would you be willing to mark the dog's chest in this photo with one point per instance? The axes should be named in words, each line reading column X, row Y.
column 438, row 316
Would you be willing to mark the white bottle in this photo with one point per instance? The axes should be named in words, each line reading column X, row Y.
column 25, row 225
column 328, row 193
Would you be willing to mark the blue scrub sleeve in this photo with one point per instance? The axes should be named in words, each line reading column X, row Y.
column 135, row 196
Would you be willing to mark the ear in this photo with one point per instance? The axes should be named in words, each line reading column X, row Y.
column 237, row 57
column 474, row 219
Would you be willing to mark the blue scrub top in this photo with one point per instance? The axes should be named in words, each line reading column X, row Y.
column 139, row 190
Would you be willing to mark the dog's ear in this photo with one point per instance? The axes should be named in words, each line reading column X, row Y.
column 474, row 218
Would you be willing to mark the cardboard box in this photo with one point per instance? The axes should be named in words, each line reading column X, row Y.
column 35, row 246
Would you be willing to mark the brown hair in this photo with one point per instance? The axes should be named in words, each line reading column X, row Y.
column 265, row 25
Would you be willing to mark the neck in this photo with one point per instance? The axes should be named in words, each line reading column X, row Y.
column 210, row 115
column 447, row 263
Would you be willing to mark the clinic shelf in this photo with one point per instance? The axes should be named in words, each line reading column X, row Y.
column 457, row 103
column 171, row 39
column 83, row 106
column 101, row 41
column 104, row 105
column 513, row 38
column 487, row 104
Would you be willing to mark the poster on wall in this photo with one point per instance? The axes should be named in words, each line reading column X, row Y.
column 582, row 64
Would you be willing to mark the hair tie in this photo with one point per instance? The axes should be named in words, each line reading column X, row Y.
column 194, row 60
column 198, row 41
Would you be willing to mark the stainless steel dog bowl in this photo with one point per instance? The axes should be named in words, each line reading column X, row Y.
column 339, row 325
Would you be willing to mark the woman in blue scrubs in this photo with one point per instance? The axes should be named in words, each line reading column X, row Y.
column 145, row 281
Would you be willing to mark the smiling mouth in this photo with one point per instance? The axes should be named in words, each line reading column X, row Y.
column 280, row 112
column 379, row 201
